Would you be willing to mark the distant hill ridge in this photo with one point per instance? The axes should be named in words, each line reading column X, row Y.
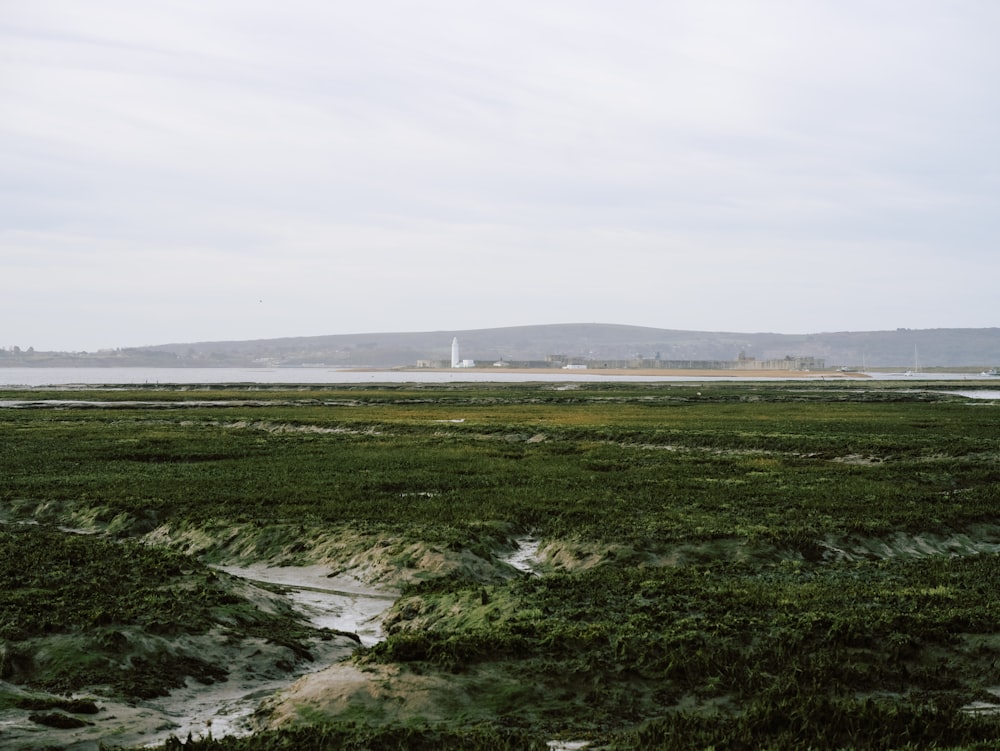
column 930, row 348
column 899, row 348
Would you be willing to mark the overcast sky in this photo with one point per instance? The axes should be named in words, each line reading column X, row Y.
column 184, row 171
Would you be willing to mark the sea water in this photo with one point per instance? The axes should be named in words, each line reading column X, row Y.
column 39, row 377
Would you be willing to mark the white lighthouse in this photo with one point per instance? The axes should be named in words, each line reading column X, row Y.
column 455, row 362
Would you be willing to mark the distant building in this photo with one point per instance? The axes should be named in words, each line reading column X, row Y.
column 568, row 362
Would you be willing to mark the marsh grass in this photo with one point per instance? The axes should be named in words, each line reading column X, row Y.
column 81, row 610
column 759, row 634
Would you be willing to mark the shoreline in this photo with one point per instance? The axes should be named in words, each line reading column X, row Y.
column 638, row 372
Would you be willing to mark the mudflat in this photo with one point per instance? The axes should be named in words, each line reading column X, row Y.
column 612, row 563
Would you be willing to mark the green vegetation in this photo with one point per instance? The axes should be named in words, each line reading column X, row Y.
column 106, row 600
column 741, row 565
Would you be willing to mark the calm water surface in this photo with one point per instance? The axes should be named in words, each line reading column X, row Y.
column 33, row 377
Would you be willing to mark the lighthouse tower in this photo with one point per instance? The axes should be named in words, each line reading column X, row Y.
column 455, row 362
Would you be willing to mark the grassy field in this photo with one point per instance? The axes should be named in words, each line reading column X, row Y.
column 737, row 565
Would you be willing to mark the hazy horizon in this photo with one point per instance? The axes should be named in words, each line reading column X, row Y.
column 190, row 172
column 566, row 329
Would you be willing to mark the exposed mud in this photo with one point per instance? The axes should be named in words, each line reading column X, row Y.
column 222, row 708
column 350, row 591
column 525, row 557
column 984, row 538
column 339, row 603
column 984, row 706
column 259, row 668
column 385, row 561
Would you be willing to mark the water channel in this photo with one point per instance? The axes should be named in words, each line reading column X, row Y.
column 137, row 376
column 339, row 603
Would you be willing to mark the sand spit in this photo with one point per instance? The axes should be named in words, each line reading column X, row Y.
column 640, row 373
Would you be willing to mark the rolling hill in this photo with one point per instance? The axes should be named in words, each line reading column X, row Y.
column 930, row 348
column 899, row 348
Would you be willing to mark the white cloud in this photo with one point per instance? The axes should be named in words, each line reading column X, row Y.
column 384, row 165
